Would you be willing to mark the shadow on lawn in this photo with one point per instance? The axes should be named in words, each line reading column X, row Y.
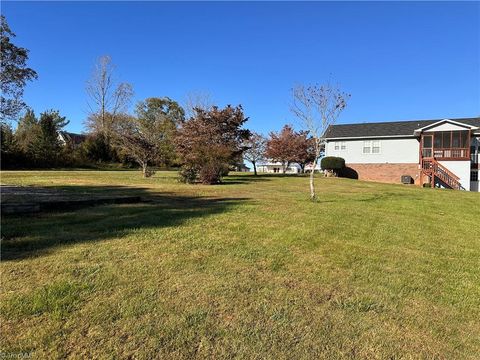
column 41, row 234
column 250, row 178
column 244, row 179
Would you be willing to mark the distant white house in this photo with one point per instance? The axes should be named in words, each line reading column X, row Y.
column 443, row 153
column 277, row 168
column 72, row 139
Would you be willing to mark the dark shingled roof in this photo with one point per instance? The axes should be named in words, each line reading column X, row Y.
column 75, row 139
column 395, row 128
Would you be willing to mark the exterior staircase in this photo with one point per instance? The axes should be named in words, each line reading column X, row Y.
column 433, row 169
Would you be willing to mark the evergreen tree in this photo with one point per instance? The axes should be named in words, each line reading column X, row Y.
column 46, row 147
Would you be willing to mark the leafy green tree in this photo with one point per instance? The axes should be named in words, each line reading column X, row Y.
column 14, row 74
column 46, row 148
column 97, row 149
column 11, row 156
column 27, row 130
column 148, row 137
column 167, row 115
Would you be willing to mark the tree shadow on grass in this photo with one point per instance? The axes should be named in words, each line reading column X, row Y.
column 32, row 236
column 251, row 178
column 244, row 179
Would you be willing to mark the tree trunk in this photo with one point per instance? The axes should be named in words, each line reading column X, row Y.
column 254, row 168
column 312, row 183
column 144, row 169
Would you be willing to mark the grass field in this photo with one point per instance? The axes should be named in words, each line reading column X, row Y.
column 248, row 269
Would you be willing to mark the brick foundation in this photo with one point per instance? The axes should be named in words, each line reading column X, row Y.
column 387, row 173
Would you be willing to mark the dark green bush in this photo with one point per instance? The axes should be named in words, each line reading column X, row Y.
column 348, row 172
column 332, row 163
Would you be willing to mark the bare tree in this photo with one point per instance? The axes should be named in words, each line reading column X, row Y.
column 107, row 97
column 197, row 100
column 317, row 107
column 256, row 146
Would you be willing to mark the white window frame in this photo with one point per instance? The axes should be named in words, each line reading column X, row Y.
column 340, row 145
column 371, row 145
column 367, row 144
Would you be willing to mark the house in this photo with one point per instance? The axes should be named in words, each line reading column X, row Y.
column 277, row 167
column 75, row 140
column 293, row 168
column 242, row 168
column 443, row 153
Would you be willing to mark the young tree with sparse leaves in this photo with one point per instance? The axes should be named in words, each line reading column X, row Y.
column 255, row 149
column 318, row 107
column 14, row 74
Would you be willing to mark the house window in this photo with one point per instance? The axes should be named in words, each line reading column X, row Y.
column 367, row 147
column 340, row 145
column 371, row 147
column 474, row 176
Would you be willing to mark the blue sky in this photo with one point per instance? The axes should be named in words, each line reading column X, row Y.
column 411, row 60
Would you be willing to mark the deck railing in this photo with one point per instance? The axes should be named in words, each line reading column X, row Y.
column 451, row 153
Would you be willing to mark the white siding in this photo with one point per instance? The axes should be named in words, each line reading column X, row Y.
column 404, row 151
column 461, row 169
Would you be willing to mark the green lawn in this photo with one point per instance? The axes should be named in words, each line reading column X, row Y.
column 248, row 269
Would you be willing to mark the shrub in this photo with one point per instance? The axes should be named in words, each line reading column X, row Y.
column 188, row 175
column 149, row 172
column 212, row 172
column 348, row 172
column 332, row 163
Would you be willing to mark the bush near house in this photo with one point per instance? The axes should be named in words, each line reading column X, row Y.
column 332, row 163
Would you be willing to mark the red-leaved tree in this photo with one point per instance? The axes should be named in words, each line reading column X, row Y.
column 305, row 149
column 281, row 147
column 209, row 142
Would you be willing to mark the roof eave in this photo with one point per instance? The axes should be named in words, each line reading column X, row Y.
column 369, row 137
column 420, row 130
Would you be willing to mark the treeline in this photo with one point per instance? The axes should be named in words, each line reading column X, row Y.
column 204, row 141
column 35, row 142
